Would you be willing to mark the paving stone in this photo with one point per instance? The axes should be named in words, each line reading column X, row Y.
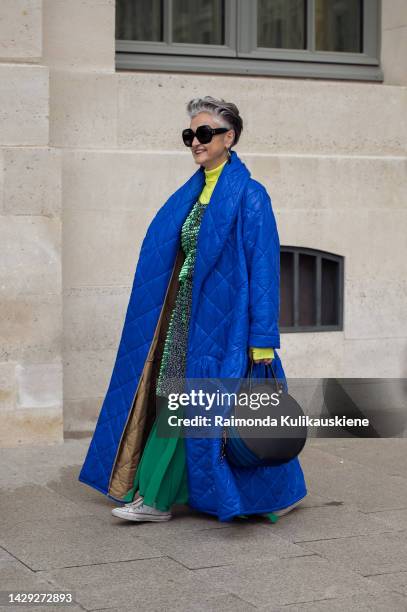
column 354, row 603
column 387, row 455
column 370, row 554
column 17, row 578
column 33, row 503
column 396, row 519
column 368, row 489
column 240, row 543
column 6, row 559
column 73, row 541
column 289, row 581
column 318, row 523
column 343, row 548
column 31, row 465
column 150, row 584
column 396, row 581
column 90, row 501
column 94, row 503
column 191, row 602
column 312, row 500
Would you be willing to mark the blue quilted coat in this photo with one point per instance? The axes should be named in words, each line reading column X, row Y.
column 235, row 305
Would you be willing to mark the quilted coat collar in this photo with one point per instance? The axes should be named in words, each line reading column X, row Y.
column 218, row 218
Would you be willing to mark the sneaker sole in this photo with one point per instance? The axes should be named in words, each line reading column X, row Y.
column 140, row 517
column 288, row 509
column 283, row 511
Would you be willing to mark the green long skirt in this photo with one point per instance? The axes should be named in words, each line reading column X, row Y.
column 161, row 476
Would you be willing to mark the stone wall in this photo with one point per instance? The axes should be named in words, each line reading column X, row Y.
column 88, row 154
column 31, row 406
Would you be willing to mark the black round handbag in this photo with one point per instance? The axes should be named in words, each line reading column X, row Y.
column 244, row 445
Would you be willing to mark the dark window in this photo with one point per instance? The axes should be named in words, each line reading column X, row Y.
column 281, row 24
column 139, row 20
column 198, row 22
column 330, row 281
column 311, row 291
column 317, row 38
column 286, row 289
column 307, row 270
column 338, row 25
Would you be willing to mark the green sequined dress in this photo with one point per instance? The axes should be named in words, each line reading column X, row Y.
column 161, row 476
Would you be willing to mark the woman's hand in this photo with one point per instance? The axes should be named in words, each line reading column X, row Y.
column 262, row 360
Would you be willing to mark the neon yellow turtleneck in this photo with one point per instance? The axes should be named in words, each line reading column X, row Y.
column 211, row 177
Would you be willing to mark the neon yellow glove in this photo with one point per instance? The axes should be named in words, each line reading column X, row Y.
column 262, row 353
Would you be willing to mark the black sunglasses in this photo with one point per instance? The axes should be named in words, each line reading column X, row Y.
column 204, row 134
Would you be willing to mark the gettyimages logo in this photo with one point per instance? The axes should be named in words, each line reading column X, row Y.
column 330, row 407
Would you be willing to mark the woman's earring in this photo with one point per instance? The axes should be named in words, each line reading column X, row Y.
column 229, row 154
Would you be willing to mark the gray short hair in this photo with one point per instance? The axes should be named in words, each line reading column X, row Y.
column 226, row 113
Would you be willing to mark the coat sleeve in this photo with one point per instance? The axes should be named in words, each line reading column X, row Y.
column 262, row 251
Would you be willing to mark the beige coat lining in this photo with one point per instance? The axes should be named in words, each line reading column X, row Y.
column 143, row 410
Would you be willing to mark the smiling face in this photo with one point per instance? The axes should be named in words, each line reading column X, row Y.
column 211, row 154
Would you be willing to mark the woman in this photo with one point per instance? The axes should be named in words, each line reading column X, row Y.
column 205, row 299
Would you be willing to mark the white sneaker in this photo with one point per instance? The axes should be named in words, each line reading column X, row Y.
column 135, row 502
column 141, row 512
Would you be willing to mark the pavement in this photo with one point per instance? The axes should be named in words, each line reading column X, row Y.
column 343, row 548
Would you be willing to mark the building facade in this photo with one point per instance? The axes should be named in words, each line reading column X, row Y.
column 92, row 103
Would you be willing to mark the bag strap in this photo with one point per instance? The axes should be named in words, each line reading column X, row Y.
column 280, row 390
column 279, row 386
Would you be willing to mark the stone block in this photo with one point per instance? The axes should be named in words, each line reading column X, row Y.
column 375, row 308
column 393, row 48
column 118, row 181
column 348, row 183
column 103, row 249
column 83, row 109
column 87, row 373
column 31, row 427
column 21, row 30
column 381, row 357
column 352, row 120
column 92, row 48
column 394, row 14
column 8, row 387
column 39, row 385
column 31, row 328
column 24, row 97
column 94, row 317
column 31, row 255
column 32, row 181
